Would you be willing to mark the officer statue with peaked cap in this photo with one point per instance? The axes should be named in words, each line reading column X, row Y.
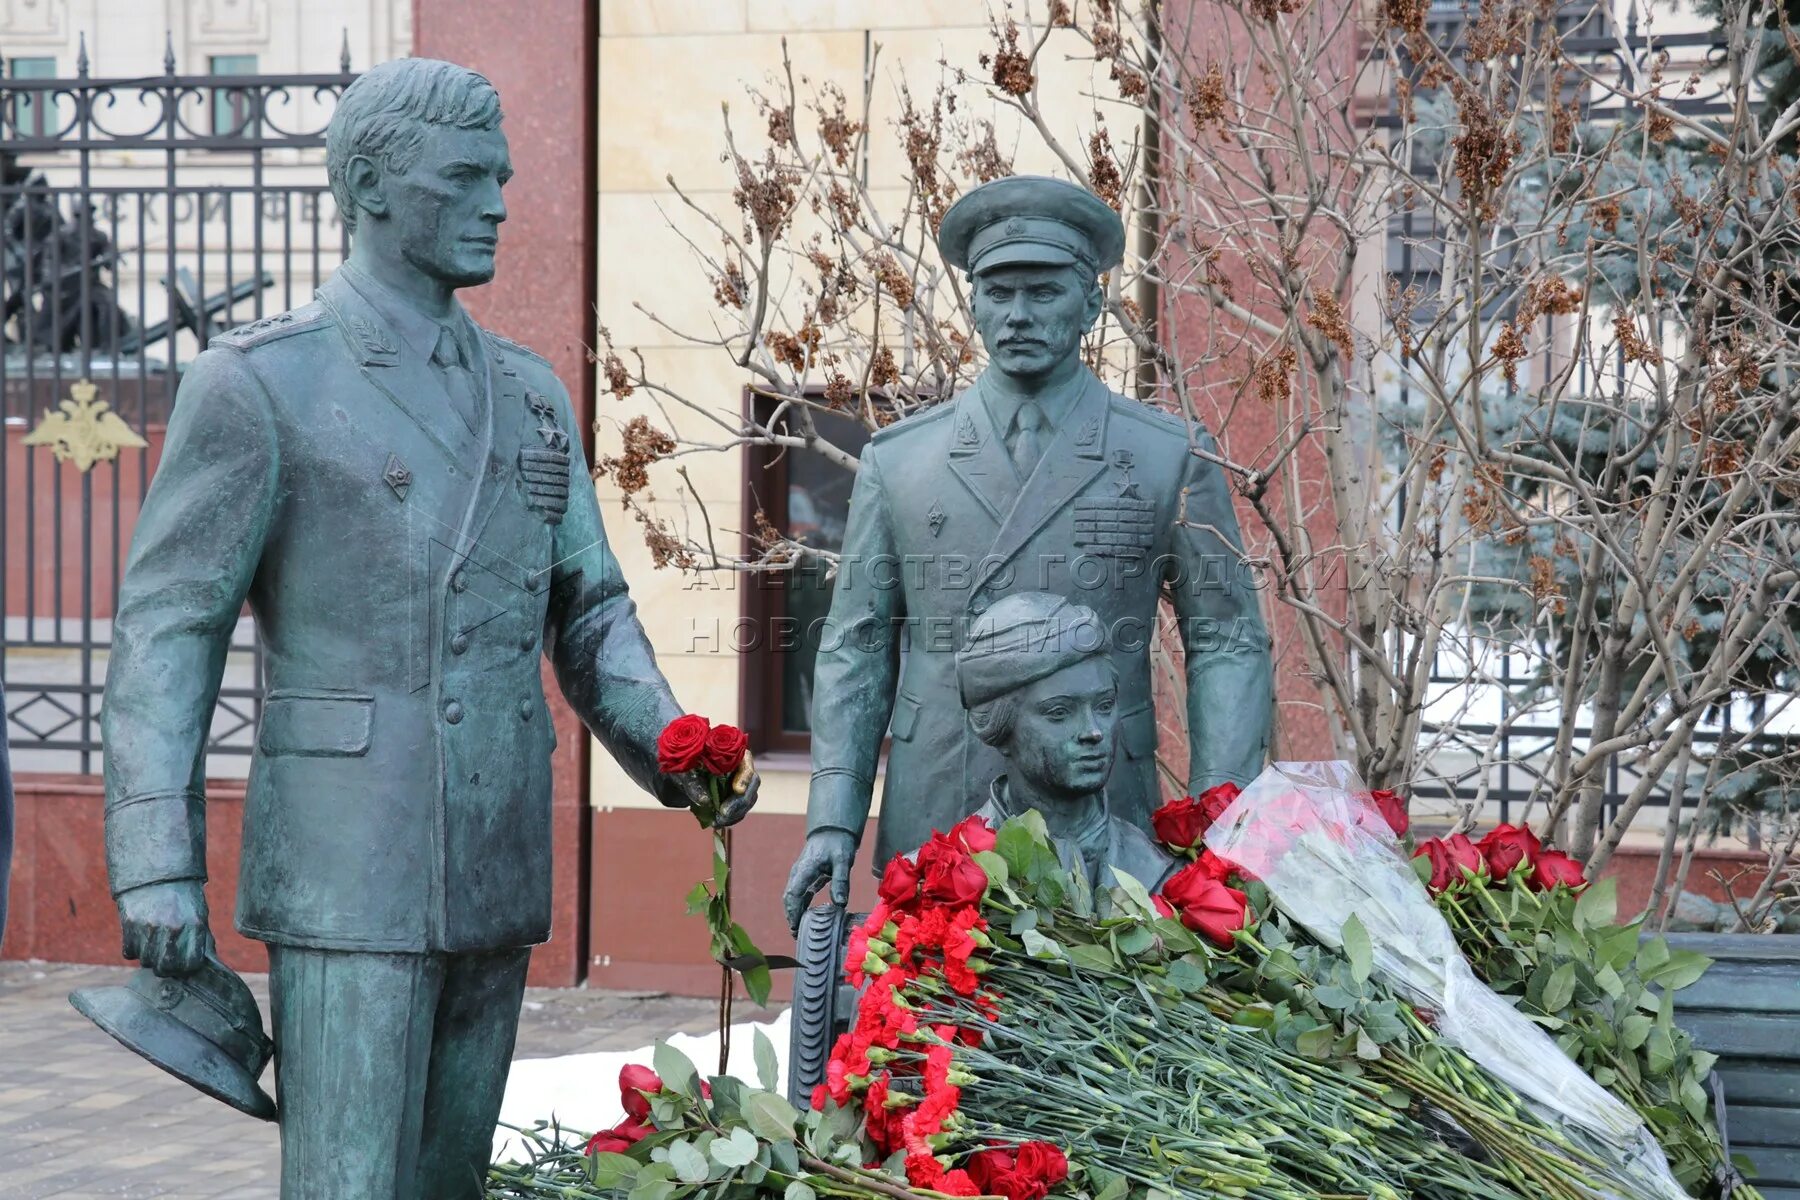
column 402, row 499
column 1036, row 478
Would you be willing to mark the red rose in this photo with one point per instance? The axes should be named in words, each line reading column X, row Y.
column 1216, row 912
column 1441, row 868
column 1552, row 868
column 681, row 743
column 1507, row 846
column 1044, row 1162
column 1221, row 869
column 1465, row 856
column 634, row 1081
column 900, row 882
column 950, row 875
column 1392, row 808
column 619, row 1138
column 1216, row 799
column 1163, row 907
column 724, row 752
column 974, row 833
column 1187, row 885
column 1179, row 824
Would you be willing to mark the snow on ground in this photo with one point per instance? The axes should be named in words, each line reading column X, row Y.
column 580, row 1092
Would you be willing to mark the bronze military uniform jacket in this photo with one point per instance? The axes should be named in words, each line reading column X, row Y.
column 1118, row 510
column 405, row 574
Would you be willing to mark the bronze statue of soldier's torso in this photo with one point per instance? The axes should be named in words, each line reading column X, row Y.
column 1037, row 478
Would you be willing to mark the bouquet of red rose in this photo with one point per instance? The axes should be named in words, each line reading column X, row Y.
column 1535, row 932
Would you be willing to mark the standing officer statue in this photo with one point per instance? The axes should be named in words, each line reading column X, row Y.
column 1037, row 478
column 401, row 496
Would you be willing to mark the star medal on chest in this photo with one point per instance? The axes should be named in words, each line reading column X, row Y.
column 544, row 468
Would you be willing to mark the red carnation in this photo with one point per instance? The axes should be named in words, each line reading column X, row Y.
column 634, row 1082
column 1180, row 824
column 681, row 743
column 1392, row 808
column 1552, row 868
column 899, row 882
column 1507, row 846
column 724, row 751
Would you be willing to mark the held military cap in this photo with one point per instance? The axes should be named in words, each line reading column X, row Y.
column 204, row 1030
column 1026, row 637
column 1031, row 220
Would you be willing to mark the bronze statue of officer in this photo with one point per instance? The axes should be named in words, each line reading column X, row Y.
column 402, row 499
column 1036, row 478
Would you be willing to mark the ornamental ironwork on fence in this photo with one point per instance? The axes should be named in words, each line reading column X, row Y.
column 138, row 218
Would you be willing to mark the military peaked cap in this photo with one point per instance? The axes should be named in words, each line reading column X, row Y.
column 1031, row 219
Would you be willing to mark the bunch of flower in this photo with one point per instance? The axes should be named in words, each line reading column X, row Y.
column 636, row 1085
column 928, row 922
column 1509, row 853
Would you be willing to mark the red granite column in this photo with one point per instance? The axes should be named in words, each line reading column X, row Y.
column 542, row 296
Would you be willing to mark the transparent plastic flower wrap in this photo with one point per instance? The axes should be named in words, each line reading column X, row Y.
column 1309, row 832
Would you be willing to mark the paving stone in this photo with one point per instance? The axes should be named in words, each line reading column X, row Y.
column 81, row 1118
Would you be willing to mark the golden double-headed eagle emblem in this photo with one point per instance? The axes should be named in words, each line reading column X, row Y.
column 86, row 431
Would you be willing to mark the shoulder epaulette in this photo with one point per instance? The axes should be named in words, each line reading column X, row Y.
column 503, row 346
column 1126, row 406
column 269, row 329
column 907, row 424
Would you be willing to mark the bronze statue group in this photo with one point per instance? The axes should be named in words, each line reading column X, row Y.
column 400, row 497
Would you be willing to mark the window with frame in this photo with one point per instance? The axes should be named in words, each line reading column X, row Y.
column 34, row 113
column 806, row 496
column 231, row 106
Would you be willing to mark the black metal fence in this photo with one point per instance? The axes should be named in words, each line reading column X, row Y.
column 138, row 218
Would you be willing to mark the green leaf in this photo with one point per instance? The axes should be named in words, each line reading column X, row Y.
column 1039, row 946
column 1659, row 1051
column 612, row 1172
column 738, row 1150
column 1598, row 905
column 1633, row 1030
column 1187, row 975
column 768, row 1067
column 1114, row 1187
column 770, row 1116
column 1135, row 889
column 1560, row 989
column 1366, row 1047
column 697, row 897
column 673, row 1067
column 799, row 1189
column 1682, row 968
column 1025, row 918
column 1333, row 997
column 1421, row 866
column 690, row 1165
column 1092, row 957
column 995, row 866
column 759, row 983
column 1316, row 1043
column 1652, row 954
column 1139, row 939
column 652, row 1189
column 1357, row 949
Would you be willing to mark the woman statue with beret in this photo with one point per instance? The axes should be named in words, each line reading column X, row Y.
column 1039, row 686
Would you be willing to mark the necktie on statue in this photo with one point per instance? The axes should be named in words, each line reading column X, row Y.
column 453, row 372
column 1027, row 442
